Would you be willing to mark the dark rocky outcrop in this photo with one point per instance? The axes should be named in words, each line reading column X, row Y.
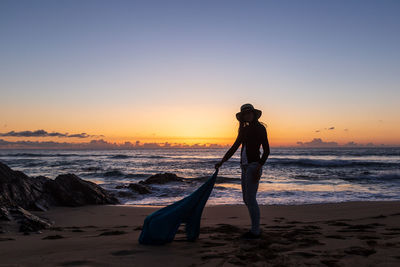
column 20, row 193
column 15, row 217
column 39, row 193
column 143, row 187
column 5, row 214
column 18, row 189
column 27, row 221
column 138, row 188
column 70, row 190
column 162, row 178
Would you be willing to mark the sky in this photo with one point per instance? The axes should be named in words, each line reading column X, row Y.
column 178, row 71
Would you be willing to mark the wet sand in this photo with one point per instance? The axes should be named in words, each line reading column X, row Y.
column 340, row 234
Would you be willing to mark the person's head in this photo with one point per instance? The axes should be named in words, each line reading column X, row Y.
column 248, row 114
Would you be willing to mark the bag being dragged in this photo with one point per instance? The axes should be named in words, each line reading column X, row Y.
column 161, row 226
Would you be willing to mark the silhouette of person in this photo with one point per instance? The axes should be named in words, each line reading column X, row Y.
column 251, row 135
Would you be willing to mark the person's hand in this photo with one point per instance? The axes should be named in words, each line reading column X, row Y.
column 218, row 164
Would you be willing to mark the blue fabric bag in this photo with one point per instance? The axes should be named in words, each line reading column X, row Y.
column 160, row 227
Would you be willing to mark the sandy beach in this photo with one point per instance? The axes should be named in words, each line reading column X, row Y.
column 270, row 128
column 340, row 234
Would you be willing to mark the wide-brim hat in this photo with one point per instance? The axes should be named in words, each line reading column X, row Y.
column 248, row 107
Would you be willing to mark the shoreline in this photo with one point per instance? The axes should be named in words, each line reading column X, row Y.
column 275, row 204
column 334, row 234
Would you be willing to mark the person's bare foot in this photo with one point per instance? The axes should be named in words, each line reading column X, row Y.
column 250, row 235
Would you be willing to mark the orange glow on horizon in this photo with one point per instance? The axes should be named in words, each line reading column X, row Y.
column 199, row 124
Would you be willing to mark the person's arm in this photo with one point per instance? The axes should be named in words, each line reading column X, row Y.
column 230, row 151
column 265, row 146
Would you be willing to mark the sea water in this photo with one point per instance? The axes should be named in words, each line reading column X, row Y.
column 290, row 175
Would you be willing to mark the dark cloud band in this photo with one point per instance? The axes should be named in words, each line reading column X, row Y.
column 43, row 133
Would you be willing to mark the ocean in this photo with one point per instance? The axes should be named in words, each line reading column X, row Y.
column 290, row 175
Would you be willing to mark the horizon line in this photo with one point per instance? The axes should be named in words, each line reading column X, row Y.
column 127, row 145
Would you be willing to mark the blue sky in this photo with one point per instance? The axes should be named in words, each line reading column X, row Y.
column 309, row 64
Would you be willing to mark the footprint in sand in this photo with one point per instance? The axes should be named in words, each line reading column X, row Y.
column 52, row 237
column 337, row 223
column 222, row 229
column 393, row 229
column 308, row 242
column 359, row 251
column 76, row 263
column 280, row 226
column 311, row 227
column 104, row 229
column 361, row 228
column 379, row 217
column 392, row 244
column 208, row 244
column 77, row 230
column 6, row 239
column 294, row 222
column 214, row 256
column 121, row 226
column 90, row 226
column 372, row 243
column 336, row 237
column 56, row 228
column 123, row 252
column 303, row 254
column 108, row 233
column 330, row 263
column 278, row 219
column 367, row 237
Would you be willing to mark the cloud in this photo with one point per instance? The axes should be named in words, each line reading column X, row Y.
column 317, row 142
column 325, row 129
column 36, row 133
column 351, row 144
column 354, row 144
column 81, row 135
column 43, row 133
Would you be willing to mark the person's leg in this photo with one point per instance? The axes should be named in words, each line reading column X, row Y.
column 251, row 193
column 243, row 182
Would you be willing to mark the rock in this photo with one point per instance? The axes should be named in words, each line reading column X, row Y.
column 162, row 178
column 70, row 190
column 39, row 193
column 27, row 221
column 17, row 189
column 5, row 214
column 19, row 193
column 139, row 188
